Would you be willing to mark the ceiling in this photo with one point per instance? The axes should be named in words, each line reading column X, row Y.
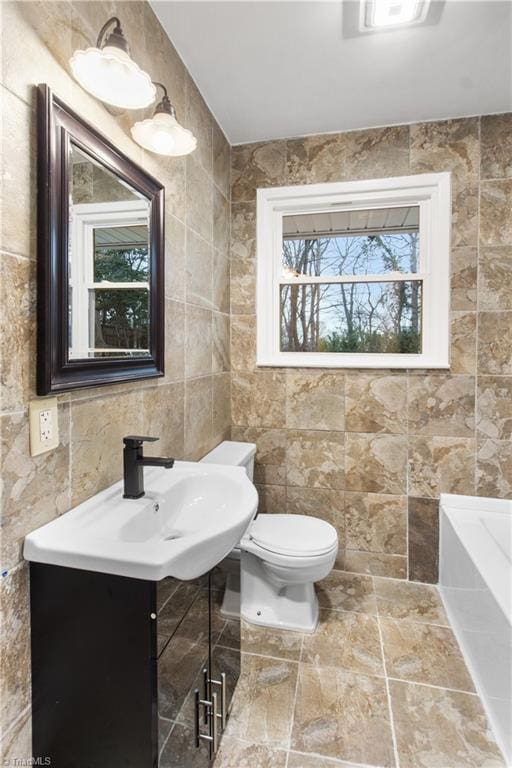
column 279, row 69
column 367, row 221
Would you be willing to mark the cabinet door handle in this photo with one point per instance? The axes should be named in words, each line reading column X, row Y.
column 214, row 725
column 205, row 694
column 223, row 698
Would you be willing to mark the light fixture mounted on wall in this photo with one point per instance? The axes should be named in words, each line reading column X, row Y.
column 162, row 133
column 110, row 74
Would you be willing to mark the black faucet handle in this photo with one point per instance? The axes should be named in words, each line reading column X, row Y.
column 134, row 441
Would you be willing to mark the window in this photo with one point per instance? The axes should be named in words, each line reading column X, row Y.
column 355, row 274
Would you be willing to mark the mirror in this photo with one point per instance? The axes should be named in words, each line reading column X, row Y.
column 101, row 258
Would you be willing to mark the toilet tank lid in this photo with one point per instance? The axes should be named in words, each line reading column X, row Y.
column 231, row 453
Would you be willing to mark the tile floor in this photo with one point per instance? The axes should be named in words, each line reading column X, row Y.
column 381, row 683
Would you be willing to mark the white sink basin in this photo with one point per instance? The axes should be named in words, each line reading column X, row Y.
column 190, row 518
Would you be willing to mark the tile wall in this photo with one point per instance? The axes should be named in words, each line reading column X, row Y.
column 370, row 451
column 190, row 407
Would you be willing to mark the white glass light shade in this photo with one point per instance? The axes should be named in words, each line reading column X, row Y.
column 112, row 76
column 391, row 13
column 164, row 135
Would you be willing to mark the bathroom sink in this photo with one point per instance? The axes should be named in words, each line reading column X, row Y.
column 190, row 518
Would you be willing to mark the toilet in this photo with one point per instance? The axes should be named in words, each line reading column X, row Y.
column 270, row 576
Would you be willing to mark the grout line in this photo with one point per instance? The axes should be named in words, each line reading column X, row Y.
column 388, row 694
column 292, row 719
column 430, row 685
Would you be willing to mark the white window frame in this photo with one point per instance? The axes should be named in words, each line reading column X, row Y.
column 431, row 192
column 85, row 219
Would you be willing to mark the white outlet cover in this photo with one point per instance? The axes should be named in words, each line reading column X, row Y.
column 44, row 425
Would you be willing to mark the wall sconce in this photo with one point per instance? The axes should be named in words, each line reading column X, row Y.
column 162, row 133
column 110, row 74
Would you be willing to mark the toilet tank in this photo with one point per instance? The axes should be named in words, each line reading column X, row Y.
column 234, row 454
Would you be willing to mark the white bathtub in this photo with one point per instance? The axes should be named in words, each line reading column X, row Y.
column 475, row 581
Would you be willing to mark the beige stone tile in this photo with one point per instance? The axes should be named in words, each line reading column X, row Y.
column 263, row 703
column 316, row 159
column 163, row 417
column 424, row 653
column 270, row 459
column 495, row 277
column 221, row 407
column 441, row 405
column 496, row 138
column 199, row 284
column 237, row 754
column 452, row 145
column 258, row 399
column 221, row 160
column 43, row 32
column 463, row 342
column 220, row 343
column 243, row 286
column 315, row 459
column 423, row 533
column 17, row 742
column 409, row 600
column 243, row 342
column 495, row 342
column 174, row 341
column 494, row 406
column 198, row 337
column 441, row 465
column 299, row 760
column 163, row 62
column 314, row 400
column 97, row 430
column 19, row 185
column 200, row 122
column 15, row 658
column 435, row 727
column 172, row 172
column 175, row 258
column 256, row 165
column 35, row 489
column 342, row 591
column 221, row 288
column 375, row 463
column 272, row 499
column 343, row 715
column 345, row 640
column 243, row 231
column 375, row 564
column 221, row 235
column 464, row 278
column 377, row 152
column 376, row 522
column 198, row 417
column 496, row 212
column 199, row 199
column 17, row 331
column 494, row 468
column 267, row 641
column 376, row 403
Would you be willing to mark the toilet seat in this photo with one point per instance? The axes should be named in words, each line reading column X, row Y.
column 291, row 536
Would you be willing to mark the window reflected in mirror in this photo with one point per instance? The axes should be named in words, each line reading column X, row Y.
column 109, row 263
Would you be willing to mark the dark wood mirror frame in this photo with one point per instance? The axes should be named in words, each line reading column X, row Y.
column 57, row 127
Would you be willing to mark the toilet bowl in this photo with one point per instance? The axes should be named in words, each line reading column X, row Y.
column 270, row 576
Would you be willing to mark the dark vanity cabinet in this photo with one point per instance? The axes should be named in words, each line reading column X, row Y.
column 129, row 673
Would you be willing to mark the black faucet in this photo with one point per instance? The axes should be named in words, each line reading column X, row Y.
column 134, row 462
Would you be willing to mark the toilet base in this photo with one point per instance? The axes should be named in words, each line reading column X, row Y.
column 293, row 607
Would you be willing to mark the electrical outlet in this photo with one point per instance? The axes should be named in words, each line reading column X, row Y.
column 44, row 425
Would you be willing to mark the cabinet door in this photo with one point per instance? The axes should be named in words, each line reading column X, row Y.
column 225, row 639
column 183, row 642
